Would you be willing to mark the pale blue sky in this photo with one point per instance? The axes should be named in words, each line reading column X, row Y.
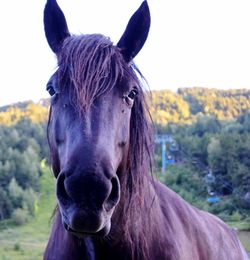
column 191, row 43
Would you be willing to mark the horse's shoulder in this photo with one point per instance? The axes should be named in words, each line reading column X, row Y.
column 209, row 233
column 171, row 201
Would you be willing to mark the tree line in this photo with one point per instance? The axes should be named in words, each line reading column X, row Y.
column 187, row 104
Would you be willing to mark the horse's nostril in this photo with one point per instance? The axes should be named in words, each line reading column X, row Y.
column 114, row 195
column 61, row 191
column 115, row 192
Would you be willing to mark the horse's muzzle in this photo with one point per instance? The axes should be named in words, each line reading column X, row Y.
column 87, row 202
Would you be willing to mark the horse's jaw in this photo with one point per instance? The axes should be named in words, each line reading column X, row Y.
column 81, row 223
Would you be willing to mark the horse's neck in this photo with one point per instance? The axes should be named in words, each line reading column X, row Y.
column 142, row 236
column 63, row 245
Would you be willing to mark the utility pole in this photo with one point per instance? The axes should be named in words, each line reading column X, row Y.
column 163, row 140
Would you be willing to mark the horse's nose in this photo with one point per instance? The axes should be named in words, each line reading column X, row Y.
column 114, row 195
column 88, row 190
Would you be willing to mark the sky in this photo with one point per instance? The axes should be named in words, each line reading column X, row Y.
column 191, row 43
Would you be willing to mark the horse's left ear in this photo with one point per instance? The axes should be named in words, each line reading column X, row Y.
column 136, row 32
column 55, row 25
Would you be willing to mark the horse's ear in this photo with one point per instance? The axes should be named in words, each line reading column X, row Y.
column 55, row 25
column 136, row 32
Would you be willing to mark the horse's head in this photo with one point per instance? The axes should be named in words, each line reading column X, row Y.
column 93, row 93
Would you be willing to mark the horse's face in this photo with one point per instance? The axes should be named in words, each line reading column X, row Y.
column 88, row 154
column 89, row 149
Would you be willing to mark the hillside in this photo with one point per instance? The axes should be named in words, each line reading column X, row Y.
column 27, row 242
column 185, row 106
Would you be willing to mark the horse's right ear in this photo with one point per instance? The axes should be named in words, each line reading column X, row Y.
column 55, row 25
column 135, row 33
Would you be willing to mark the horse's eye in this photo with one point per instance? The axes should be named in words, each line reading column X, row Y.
column 51, row 86
column 51, row 90
column 132, row 94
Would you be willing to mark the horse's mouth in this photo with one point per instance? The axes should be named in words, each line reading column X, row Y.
column 81, row 234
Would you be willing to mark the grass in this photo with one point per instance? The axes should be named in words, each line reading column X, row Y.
column 243, row 228
column 245, row 240
column 243, row 225
column 27, row 242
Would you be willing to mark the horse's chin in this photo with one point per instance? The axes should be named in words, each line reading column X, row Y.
column 101, row 232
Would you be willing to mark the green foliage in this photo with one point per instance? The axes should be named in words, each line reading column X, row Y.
column 27, row 241
column 6, row 206
column 187, row 184
column 23, row 145
column 17, row 247
column 15, row 193
column 236, row 217
column 222, row 148
column 20, row 198
column 19, row 216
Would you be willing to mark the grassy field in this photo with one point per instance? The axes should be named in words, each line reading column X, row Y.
column 243, row 228
column 245, row 239
column 27, row 242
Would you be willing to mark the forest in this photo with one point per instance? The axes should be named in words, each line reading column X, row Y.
column 211, row 128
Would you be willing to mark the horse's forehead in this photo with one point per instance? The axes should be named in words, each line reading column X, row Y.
column 90, row 69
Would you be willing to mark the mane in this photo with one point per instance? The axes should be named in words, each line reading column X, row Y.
column 90, row 66
column 135, row 183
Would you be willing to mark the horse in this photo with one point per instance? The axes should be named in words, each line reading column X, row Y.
column 101, row 145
